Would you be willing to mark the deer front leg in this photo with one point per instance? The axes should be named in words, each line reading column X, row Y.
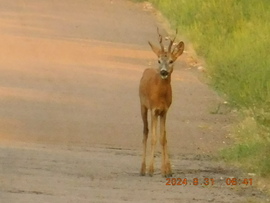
column 153, row 141
column 145, row 136
column 166, row 165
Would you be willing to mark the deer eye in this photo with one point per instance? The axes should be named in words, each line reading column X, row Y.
column 171, row 61
column 159, row 61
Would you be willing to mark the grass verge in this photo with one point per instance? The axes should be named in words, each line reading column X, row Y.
column 251, row 148
column 233, row 37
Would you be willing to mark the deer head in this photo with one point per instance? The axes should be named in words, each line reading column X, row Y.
column 166, row 58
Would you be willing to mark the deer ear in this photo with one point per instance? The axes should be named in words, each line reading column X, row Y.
column 178, row 50
column 155, row 49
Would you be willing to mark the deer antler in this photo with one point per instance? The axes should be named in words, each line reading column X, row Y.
column 172, row 41
column 160, row 40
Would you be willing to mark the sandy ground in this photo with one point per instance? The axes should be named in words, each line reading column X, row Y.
column 70, row 126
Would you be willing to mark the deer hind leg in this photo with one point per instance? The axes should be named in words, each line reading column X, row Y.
column 166, row 165
column 154, row 119
column 145, row 136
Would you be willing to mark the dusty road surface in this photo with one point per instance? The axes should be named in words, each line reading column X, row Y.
column 70, row 126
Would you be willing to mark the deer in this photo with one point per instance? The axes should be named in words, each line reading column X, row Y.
column 155, row 94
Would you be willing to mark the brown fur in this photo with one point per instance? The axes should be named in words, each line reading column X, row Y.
column 156, row 95
column 154, row 91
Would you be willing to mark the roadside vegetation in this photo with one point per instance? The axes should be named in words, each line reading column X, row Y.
column 233, row 37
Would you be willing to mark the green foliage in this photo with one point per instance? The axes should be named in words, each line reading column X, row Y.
column 233, row 36
column 251, row 148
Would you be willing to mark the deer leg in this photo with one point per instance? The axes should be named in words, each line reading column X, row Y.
column 154, row 119
column 166, row 166
column 145, row 136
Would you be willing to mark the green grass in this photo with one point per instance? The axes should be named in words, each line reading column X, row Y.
column 233, row 36
column 251, row 148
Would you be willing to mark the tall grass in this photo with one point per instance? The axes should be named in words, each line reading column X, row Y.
column 233, row 36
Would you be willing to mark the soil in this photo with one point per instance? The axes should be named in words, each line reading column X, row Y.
column 70, row 125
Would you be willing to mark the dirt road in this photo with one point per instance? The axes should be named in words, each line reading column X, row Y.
column 70, row 126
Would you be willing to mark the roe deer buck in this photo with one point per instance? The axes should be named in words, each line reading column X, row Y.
column 156, row 95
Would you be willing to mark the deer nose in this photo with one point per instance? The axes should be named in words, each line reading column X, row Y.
column 164, row 73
